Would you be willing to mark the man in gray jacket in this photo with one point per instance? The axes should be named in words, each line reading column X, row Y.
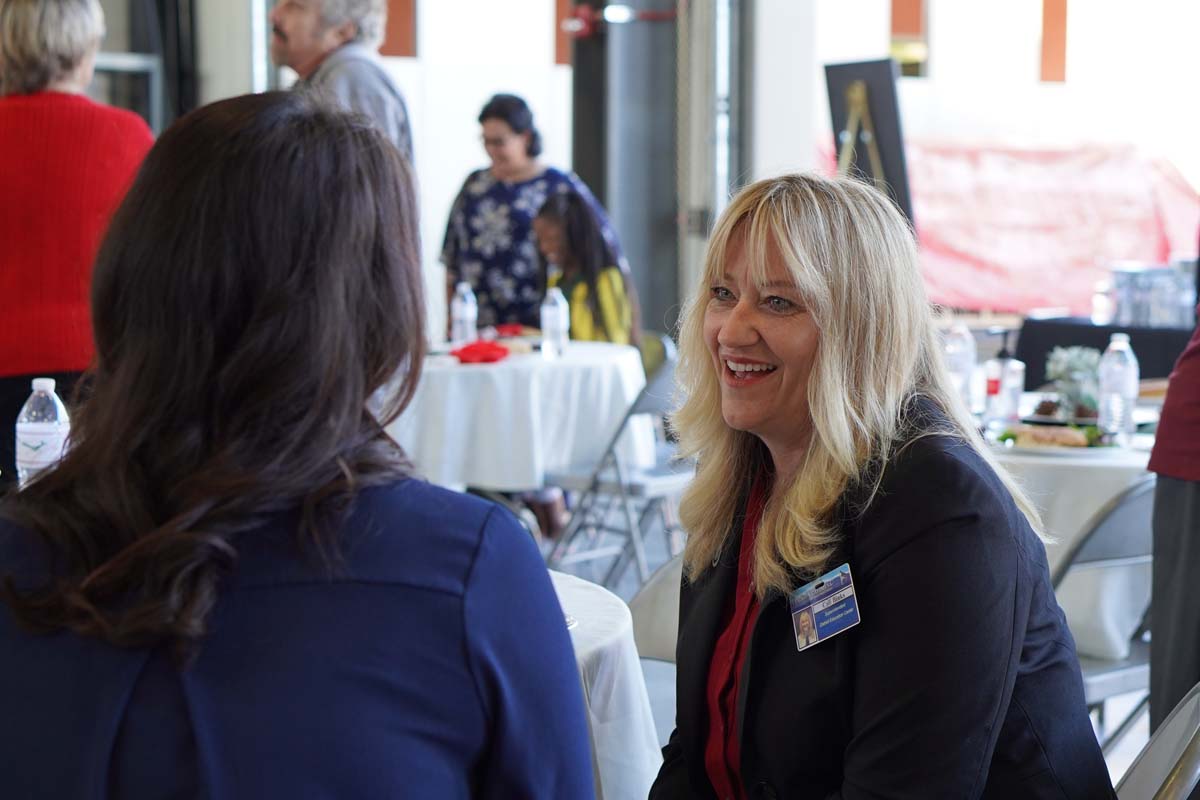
column 333, row 46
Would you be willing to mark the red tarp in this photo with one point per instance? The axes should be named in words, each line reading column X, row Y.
column 1012, row 229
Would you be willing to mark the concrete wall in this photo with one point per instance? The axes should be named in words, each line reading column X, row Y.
column 224, row 49
column 1130, row 75
column 116, row 23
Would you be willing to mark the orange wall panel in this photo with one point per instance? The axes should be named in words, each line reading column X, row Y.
column 908, row 18
column 1054, row 40
column 401, row 36
column 562, row 40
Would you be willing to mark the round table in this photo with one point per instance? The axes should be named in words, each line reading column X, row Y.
column 625, row 753
column 504, row 426
column 1069, row 487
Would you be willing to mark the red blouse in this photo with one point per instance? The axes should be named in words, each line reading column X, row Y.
column 722, row 750
column 65, row 163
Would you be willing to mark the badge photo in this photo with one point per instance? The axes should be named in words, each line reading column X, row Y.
column 824, row 608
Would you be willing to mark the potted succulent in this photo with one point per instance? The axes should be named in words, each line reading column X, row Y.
column 1075, row 372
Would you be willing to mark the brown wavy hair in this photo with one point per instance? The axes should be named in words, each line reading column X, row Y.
column 257, row 286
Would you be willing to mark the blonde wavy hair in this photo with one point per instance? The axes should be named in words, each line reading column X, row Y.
column 854, row 260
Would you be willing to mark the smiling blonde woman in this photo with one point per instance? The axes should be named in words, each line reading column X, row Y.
column 828, row 436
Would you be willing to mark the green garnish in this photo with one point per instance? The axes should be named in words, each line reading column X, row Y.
column 1095, row 437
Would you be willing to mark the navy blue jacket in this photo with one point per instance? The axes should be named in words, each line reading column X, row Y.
column 437, row 666
column 961, row 680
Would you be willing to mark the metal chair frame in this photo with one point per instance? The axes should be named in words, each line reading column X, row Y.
column 1181, row 780
column 608, row 500
column 1107, row 543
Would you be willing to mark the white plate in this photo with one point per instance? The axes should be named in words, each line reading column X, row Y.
column 1038, row 419
column 1143, row 412
column 1054, row 450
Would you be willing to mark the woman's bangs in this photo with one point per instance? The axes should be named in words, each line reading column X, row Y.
column 766, row 229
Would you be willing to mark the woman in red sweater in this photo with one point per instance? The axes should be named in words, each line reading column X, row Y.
column 65, row 163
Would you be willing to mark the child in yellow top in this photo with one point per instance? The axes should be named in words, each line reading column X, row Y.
column 576, row 258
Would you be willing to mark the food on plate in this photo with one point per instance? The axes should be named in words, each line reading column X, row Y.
column 518, row 346
column 1152, row 388
column 1046, row 408
column 1053, row 408
column 1051, row 436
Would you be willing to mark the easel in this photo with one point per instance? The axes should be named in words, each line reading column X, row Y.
column 859, row 117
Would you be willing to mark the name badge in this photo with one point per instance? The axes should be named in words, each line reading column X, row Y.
column 824, row 608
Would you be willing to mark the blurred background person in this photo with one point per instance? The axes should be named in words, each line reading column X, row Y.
column 65, row 163
column 828, row 433
column 1175, row 645
column 577, row 259
column 231, row 586
column 333, row 45
column 489, row 240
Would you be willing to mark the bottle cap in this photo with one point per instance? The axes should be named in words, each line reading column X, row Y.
column 462, row 286
column 43, row 385
column 1002, row 332
column 1119, row 337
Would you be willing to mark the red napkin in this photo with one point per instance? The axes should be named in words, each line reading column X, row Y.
column 510, row 329
column 480, row 352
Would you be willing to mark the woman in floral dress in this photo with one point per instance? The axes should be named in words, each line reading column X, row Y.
column 489, row 238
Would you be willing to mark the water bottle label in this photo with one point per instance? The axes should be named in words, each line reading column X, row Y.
column 553, row 323
column 993, row 386
column 40, row 444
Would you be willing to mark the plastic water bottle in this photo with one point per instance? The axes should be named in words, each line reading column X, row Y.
column 1005, row 378
column 1118, row 389
column 464, row 315
column 556, row 323
column 42, row 429
column 958, row 343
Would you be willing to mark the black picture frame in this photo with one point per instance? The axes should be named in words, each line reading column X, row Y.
column 880, row 79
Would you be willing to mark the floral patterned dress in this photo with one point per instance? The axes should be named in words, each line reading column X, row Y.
column 490, row 242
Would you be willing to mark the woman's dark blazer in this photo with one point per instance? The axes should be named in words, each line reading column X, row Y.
column 961, row 681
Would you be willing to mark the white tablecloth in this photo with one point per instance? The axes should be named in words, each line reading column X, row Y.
column 1103, row 607
column 503, row 426
column 625, row 749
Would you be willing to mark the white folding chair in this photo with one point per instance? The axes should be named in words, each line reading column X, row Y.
column 655, row 612
column 616, row 500
column 1168, row 768
column 1118, row 536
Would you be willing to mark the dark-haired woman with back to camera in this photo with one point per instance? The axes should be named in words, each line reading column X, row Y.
column 489, row 237
column 232, row 586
